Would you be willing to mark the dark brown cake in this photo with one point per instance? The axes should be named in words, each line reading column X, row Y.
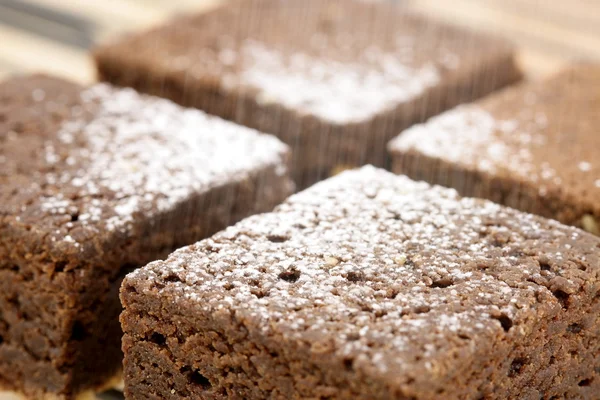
column 95, row 182
column 336, row 79
column 534, row 147
column 370, row 286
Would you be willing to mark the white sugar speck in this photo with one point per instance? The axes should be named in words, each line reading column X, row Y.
column 584, row 166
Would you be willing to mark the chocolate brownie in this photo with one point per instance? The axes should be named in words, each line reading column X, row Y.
column 370, row 286
column 336, row 79
column 533, row 147
column 95, row 182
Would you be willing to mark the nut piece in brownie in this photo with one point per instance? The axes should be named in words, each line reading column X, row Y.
column 337, row 79
column 370, row 286
column 533, row 147
column 95, row 182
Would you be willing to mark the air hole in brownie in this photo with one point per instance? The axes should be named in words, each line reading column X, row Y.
column 442, row 283
column 75, row 217
column 585, row 382
column 1, row 339
column 574, row 328
column 158, row 339
column 366, row 308
column 198, row 379
column 228, row 286
column 355, row 276
column 516, row 367
column 290, row 276
column 130, row 289
column 504, row 320
column 499, row 241
column 260, row 293
column 348, row 364
column 562, row 297
column 544, row 266
column 18, row 127
column 277, row 238
column 60, row 266
column 78, row 332
column 517, row 253
column 422, row 309
column 171, row 278
column 464, row 336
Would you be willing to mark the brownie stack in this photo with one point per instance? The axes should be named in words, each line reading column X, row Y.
column 96, row 182
column 335, row 79
column 370, row 286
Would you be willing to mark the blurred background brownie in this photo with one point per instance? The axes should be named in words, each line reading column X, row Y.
column 334, row 79
column 95, row 182
column 370, row 286
column 534, row 147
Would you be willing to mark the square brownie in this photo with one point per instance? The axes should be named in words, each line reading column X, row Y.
column 370, row 286
column 335, row 79
column 95, row 182
column 533, row 147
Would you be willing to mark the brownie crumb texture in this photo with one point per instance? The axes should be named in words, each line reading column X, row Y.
column 370, row 286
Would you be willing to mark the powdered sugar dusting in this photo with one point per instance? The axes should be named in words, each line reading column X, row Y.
column 334, row 91
column 151, row 154
column 470, row 135
column 370, row 261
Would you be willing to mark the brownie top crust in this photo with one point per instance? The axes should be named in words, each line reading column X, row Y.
column 543, row 133
column 77, row 162
column 340, row 61
column 399, row 277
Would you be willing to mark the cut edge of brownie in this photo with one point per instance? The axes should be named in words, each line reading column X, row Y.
column 176, row 348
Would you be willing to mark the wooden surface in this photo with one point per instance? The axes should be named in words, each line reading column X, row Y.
column 549, row 33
